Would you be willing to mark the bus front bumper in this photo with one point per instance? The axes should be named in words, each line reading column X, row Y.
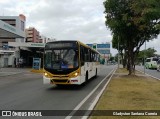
column 74, row 81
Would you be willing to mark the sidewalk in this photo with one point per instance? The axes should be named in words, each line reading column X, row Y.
column 13, row 71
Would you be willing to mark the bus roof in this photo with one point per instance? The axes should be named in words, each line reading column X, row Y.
column 88, row 46
column 74, row 41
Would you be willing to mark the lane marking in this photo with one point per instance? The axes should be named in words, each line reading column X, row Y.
column 98, row 96
column 149, row 75
column 87, row 97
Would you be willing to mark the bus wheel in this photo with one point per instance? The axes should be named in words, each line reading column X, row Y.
column 96, row 73
column 86, row 77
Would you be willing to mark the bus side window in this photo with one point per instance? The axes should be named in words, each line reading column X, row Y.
column 87, row 55
column 98, row 58
column 82, row 55
column 93, row 56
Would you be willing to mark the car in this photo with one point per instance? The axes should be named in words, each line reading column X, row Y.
column 158, row 65
column 151, row 63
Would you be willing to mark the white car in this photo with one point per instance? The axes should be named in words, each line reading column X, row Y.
column 151, row 63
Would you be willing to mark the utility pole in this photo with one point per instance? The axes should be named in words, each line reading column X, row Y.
column 144, row 58
column 118, row 54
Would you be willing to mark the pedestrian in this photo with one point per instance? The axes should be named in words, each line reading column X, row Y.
column 21, row 62
column 15, row 63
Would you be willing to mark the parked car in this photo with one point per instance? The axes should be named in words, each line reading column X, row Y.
column 151, row 63
column 158, row 65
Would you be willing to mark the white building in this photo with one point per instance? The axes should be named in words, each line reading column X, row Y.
column 12, row 42
column 44, row 39
column 12, row 29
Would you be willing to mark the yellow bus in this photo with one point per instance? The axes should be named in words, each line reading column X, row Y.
column 69, row 62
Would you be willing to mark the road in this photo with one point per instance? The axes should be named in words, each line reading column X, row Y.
column 25, row 91
column 152, row 72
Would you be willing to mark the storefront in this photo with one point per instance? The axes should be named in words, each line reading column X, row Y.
column 28, row 51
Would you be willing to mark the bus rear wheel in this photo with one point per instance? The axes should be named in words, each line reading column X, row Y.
column 86, row 77
column 95, row 74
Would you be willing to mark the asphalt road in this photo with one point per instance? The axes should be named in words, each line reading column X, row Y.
column 152, row 72
column 26, row 91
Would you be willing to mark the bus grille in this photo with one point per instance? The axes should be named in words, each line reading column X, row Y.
column 60, row 80
column 60, row 76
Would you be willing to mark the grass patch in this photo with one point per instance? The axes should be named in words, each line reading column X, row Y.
column 126, row 92
column 121, row 70
column 124, row 70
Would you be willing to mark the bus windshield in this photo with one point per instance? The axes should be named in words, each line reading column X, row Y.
column 59, row 59
column 148, row 60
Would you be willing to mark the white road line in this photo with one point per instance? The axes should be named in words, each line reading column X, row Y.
column 87, row 97
column 149, row 75
column 98, row 96
column 141, row 72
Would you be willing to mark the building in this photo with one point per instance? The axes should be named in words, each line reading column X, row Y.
column 16, row 42
column 12, row 29
column 45, row 39
column 33, row 35
column 31, row 49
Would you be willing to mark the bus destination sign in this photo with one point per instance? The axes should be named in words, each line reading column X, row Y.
column 60, row 45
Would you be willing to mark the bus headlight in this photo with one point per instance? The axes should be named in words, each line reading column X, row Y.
column 76, row 74
column 45, row 74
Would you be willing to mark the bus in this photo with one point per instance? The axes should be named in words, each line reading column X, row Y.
column 69, row 63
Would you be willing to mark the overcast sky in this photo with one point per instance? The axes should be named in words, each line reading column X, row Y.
column 66, row 19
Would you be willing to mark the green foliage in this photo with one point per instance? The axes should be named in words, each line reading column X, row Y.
column 132, row 22
column 116, row 58
column 111, row 58
column 150, row 52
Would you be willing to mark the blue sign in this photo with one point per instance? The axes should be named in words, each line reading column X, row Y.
column 5, row 46
column 103, row 45
column 90, row 45
column 37, row 63
column 104, row 51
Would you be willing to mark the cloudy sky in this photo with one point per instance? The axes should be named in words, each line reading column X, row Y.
column 66, row 19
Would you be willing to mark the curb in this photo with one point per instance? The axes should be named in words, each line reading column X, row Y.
column 36, row 71
column 148, row 75
column 97, row 98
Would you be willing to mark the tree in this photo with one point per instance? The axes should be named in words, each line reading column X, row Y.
column 111, row 59
column 133, row 22
column 150, row 52
column 117, row 43
column 116, row 57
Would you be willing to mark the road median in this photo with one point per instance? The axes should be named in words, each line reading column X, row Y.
column 138, row 93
